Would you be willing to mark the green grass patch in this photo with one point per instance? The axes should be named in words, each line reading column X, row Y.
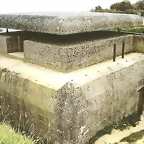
column 139, row 29
column 9, row 136
column 133, row 137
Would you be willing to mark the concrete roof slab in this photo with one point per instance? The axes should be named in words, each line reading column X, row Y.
column 68, row 23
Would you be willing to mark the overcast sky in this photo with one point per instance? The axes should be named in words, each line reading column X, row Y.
column 8, row 6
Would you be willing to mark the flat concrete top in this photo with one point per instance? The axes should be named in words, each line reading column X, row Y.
column 56, row 80
column 68, row 23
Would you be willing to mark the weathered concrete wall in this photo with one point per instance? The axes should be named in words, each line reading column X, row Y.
column 111, row 98
column 28, row 104
column 3, row 44
column 74, row 56
column 89, row 108
column 12, row 44
column 138, row 43
column 71, row 111
column 9, row 44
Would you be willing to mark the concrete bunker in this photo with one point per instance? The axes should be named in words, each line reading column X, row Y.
column 67, row 86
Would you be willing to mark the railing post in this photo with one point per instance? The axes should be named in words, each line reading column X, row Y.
column 123, row 49
column 19, row 43
column 118, row 29
column 7, row 30
column 114, row 52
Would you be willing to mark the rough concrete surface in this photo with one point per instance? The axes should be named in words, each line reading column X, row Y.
column 69, row 57
column 138, row 44
column 66, row 57
column 69, row 108
column 68, row 23
column 3, row 44
column 72, row 107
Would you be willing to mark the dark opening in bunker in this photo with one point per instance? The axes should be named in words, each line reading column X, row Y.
column 63, row 39
column 71, row 38
column 141, row 101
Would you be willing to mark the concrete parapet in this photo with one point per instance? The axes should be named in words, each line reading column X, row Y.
column 69, row 57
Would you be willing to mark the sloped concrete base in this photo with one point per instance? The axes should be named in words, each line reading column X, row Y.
column 70, row 108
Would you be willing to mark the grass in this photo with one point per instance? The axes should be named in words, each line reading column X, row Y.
column 134, row 137
column 139, row 29
column 9, row 136
column 136, row 29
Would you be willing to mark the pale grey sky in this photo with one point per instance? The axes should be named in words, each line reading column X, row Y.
column 12, row 6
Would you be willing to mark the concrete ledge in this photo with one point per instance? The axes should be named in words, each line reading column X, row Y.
column 69, row 57
column 68, row 23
